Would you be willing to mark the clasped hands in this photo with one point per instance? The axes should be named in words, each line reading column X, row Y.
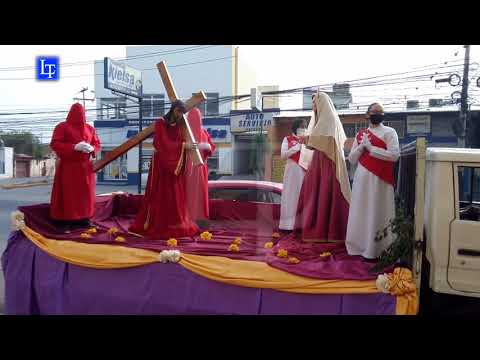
column 365, row 144
column 84, row 147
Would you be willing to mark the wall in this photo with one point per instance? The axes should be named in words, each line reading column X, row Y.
column 36, row 167
column 6, row 156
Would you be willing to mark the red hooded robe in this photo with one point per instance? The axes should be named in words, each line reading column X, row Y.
column 197, row 176
column 73, row 192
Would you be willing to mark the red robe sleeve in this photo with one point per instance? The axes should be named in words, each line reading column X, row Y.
column 64, row 150
column 169, row 152
column 206, row 138
column 95, row 142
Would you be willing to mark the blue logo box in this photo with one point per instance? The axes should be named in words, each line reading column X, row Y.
column 48, row 68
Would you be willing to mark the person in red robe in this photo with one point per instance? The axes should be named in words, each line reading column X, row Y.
column 163, row 213
column 324, row 202
column 74, row 142
column 197, row 176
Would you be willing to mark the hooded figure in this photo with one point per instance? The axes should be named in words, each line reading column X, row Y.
column 197, row 176
column 322, row 212
column 73, row 193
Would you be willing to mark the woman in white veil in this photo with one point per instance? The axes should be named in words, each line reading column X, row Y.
column 322, row 212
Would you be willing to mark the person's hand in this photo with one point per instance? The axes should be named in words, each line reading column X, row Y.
column 83, row 147
column 204, row 146
column 366, row 142
column 191, row 146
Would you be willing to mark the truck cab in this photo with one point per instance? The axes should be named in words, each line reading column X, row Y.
column 452, row 221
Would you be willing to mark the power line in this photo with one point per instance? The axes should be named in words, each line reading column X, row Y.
column 133, row 57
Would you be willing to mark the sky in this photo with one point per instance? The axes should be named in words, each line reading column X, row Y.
column 288, row 66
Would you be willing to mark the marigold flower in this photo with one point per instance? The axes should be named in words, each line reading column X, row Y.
column 172, row 242
column 234, row 248
column 238, row 240
column 92, row 230
column 206, row 235
column 325, row 254
column 268, row 245
column 85, row 236
column 276, row 235
column 112, row 230
column 293, row 260
column 282, row 253
column 120, row 239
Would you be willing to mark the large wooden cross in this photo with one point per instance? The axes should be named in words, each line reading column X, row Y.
column 195, row 100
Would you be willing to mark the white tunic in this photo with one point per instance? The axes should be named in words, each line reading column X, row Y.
column 372, row 204
column 292, row 184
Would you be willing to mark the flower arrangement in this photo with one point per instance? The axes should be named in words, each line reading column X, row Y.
column 206, row 236
column 172, row 242
column 169, row 256
column 233, row 248
column 268, row 245
column 17, row 219
column 282, row 253
column 85, row 236
column 92, row 230
column 120, row 239
column 237, row 241
column 293, row 260
column 399, row 282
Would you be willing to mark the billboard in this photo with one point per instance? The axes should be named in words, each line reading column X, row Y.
column 122, row 78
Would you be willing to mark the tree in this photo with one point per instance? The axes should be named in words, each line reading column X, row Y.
column 24, row 142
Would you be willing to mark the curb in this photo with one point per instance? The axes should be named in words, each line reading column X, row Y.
column 24, row 185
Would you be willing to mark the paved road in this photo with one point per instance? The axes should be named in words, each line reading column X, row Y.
column 11, row 199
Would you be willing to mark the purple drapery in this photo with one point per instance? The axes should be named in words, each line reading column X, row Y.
column 36, row 283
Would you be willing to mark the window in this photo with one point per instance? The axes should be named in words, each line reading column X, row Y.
column 442, row 127
column 399, row 127
column 211, row 105
column 350, row 130
column 245, row 195
column 117, row 169
column 153, row 106
column 113, row 108
column 212, row 161
column 469, row 193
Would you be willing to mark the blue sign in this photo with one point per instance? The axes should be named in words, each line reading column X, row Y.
column 48, row 68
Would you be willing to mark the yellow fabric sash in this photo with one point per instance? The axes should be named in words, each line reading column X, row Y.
column 234, row 272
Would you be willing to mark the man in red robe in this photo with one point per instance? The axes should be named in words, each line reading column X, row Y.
column 163, row 213
column 73, row 194
column 197, row 176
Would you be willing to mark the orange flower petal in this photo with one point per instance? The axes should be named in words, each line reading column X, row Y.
column 172, row 242
column 85, row 236
column 233, row 248
column 276, row 235
column 293, row 260
column 282, row 253
column 268, row 245
column 237, row 241
column 120, row 239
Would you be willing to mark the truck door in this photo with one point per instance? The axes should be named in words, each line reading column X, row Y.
column 464, row 259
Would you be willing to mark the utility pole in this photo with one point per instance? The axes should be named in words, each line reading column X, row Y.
column 462, row 140
column 83, row 96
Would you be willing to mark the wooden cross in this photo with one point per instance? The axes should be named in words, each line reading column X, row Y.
column 195, row 100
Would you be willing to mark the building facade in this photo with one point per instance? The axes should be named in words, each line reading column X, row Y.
column 216, row 70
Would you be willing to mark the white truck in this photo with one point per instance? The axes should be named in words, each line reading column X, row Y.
column 446, row 257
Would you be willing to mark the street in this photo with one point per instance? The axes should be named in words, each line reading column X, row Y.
column 13, row 198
